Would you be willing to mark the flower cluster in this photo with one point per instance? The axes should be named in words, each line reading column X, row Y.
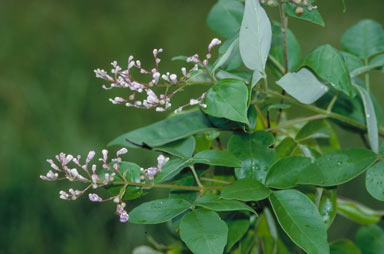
column 170, row 82
column 301, row 5
column 67, row 167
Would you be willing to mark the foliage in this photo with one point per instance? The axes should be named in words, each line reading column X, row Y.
column 237, row 156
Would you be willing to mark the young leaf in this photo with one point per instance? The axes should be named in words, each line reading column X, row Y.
column 370, row 116
column 158, row 211
column 303, row 86
column 309, row 15
column 277, row 48
column 217, row 158
column 284, row 173
column 357, row 212
column 344, row 246
column 245, row 190
column 370, row 239
column 328, row 64
column 236, row 230
column 171, row 129
column 374, row 181
column 254, row 153
column 204, row 232
column 220, row 205
column 255, row 36
column 182, row 148
column 337, row 167
column 225, row 17
column 228, row 99
column 300, row 219
column 364, row 39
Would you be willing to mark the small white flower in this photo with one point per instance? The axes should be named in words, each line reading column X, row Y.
column 122, row 151
column 90, row 156
column 94, row 197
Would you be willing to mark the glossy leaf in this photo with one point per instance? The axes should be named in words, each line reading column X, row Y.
column 217, row 158
column 370, row 239
column 171, row 169
column 182, row 148
column 374, row 181
column 220, row 205
column 225, row 17
column 370, row 117
column 204, row 232
column 277, row 48
column 236, row 230
column 357, row 212
column 344, row 246
column 286, row 147
column 300, row 219
column 328, row 207
column 158, row 211
column 338, row 167
column 284, row 173
column 311, row 16
column 228, row 99
column 303, row 86
column 364, row 39
column 255, row 36
column 254, row 153
column 328, row 64
column 245, row 190
column 171, row 129
column 353, row 62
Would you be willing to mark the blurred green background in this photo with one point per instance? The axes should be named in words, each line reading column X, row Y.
column 50, row 102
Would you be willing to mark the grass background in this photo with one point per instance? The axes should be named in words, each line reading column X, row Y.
column 50, row 102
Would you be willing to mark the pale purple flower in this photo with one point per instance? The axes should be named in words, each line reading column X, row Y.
column 94, row 197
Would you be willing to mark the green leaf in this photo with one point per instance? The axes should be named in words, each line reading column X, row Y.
column 182, row 148
column 255, row 36
column 158, row 211
column 303, row 86
column 245, row 190
column 171, row 129
column 231, row 58
column 344, row 246
column 188, row 195
column 378, row 61
column 217, row 158
column 171, row 169
column 300, row 219
column 313, row 130
column 204, row 232
column 284, row 173
column 370, row 117
column 254, row 153
column 286, row 147
column 204, row 140
column 220, row 205
column 328, row 207
column 337, row 167
column 370, row 239
column 357, row 212
column 328, row 64
column 311, row 16
column 236, row 230
column 364, row 69
column 364, row 39
column 277, row 48
column 353, row 62
column 225, row 17
column 228, row 99
column 374, row 181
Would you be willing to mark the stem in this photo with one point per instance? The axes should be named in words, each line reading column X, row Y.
column 332, row 103
column 214, row 180
column 277, row 64
column 260, row 113
column 299, row 120
column 284, row 27
column 196, row 177
column 367, row 79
